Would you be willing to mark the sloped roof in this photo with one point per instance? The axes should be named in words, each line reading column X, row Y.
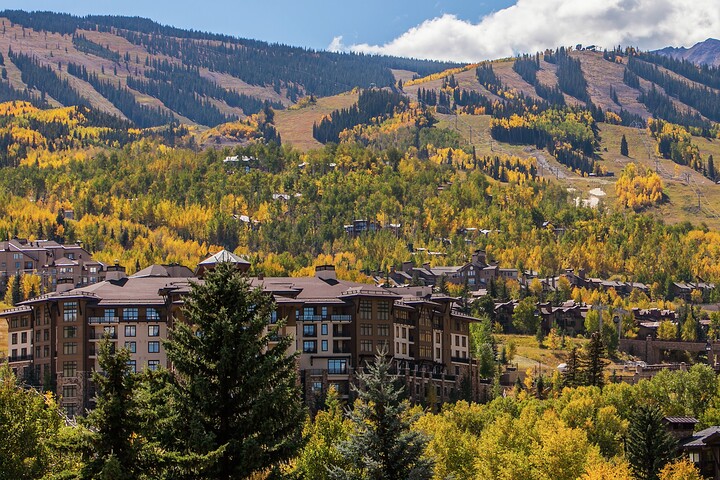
column 177, row 271
column 223, row 256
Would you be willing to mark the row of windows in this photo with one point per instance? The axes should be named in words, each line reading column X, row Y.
column 153, row 330
column 151, row 365
column 310, row 346
column 24, row 322
column 366, row 346
column 153, row 347
column 366, row 330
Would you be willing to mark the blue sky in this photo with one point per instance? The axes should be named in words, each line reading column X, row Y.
column 460, row 30
column 310, row 23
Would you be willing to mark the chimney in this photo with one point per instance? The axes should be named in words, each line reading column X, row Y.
column 479, row 257
column 261, row 276
column 325, row 272
column 581, row 274
column 407, row 267
column 64, row 284
column 426, row 266
column 115, row 272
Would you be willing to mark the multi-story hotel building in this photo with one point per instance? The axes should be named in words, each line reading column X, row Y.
column 54, row 262
column 337, row 325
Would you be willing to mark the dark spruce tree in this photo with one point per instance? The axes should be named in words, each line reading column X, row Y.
column 382, row 446
column 649, row 446
column 110, row 450
column 593, row 362
column 624, row 147
column 237, row 393
column 571, row 375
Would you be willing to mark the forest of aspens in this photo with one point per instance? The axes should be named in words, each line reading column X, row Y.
column 140, row 201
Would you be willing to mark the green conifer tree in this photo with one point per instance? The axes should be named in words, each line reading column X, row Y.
column 624, row 147
column 237, row 394
column 649, row 446
column 593, row 362
column 382, row 446
column 571, row 375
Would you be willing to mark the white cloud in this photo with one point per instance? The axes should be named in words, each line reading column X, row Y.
column 533, row 25
column 336, row 45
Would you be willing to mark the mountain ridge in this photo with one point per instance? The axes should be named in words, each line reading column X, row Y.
column 706, row 52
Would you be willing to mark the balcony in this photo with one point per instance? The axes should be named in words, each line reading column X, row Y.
column 100, row 335
column 460, row 360
column 342, row 331
column 341, row 346
column 340, row 318
column 102, row 320
column 20, row 358
column 309, row 318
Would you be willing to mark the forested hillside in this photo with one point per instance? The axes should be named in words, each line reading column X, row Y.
column 150, row 73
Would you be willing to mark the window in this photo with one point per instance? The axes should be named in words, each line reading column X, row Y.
column 404, row 332
column 317, row 386
column 425, row 351
column 37, row 336
column 130, row 330
column 323, row 311
column 69, row 409
column 324, row 345
column 153, row 364
column 110, row 332
column 404, row 348
column 23, row 337
column 24, row 322
column 437, row 352
column 309, row 330
column 109, row 314
column 426, row 337
column 130, row 314
column 152, row 314
column 46, row 334
column 308, row 313
column 309, row 346
column 69, row 369
column 69, row 348
column 337, row 366
column 14, row 323
column 366, row 329
column 383, row 330
column 14, row 338
column 37, row 352
column 131, row 346
column 23, row 352
column 273, row 317
column 153, row 347
column 397, row 331
column 457, row 340
column 153, row 330
column 464, row 341
column 69, row 391
column 383, row 310
column 132, row 366
column 324, row 329
column 46, row 351
column 366, row 346
column 365, row 310
column 70, row 311
column 437, row 337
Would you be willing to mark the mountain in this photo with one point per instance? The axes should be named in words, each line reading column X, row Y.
column 702, row 53
column 151, row 74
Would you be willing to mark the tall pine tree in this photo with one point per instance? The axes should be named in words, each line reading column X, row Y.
column 382, row 447
column 593, row 362
column 624, row 147
column 237, row 393
column 649, row 446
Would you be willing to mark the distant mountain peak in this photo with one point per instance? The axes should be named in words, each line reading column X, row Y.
column 702, row 53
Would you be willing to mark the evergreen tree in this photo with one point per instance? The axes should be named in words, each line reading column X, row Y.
column 593, row 362
column 13, row 294
column 624, row 147
column 237, row 395
column 111, row 451
column 382, row 446
column 649, row 446
column 571, row 375
column 711, row 167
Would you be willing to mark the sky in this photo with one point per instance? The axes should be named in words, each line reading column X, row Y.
column 460, row 30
